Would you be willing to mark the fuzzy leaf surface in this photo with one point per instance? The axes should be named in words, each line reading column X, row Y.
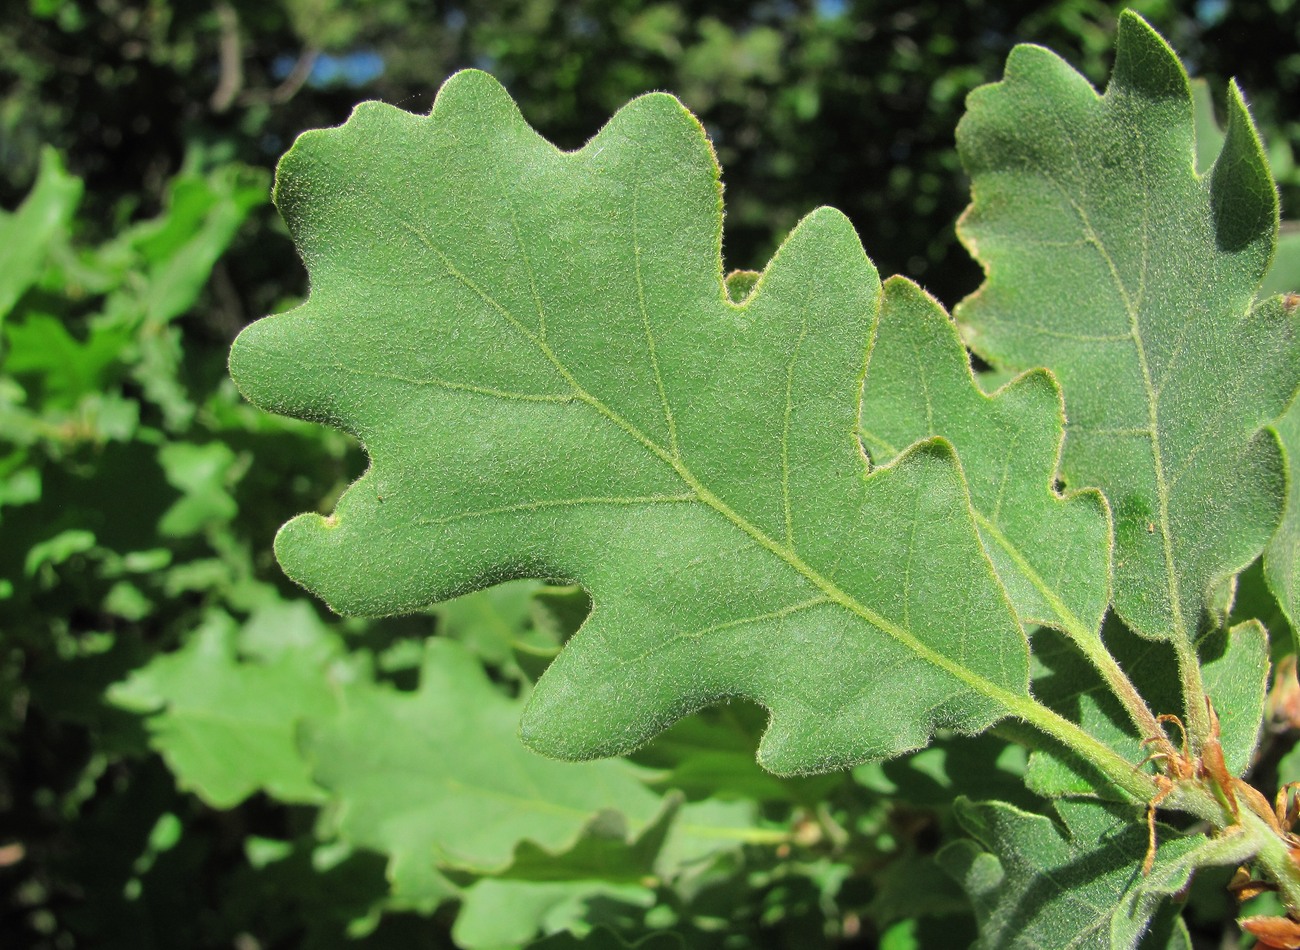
column 538, row 352
column 1036, row 883
column 1235, row 667
column 1282, row 556
column 1133, row 279
column 1052, row 553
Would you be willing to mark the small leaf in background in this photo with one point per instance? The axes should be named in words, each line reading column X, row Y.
column 204, row 474
column 178, row 249
column 1110, row 262
column 439, row 777
column 599, row 411
column 226, row 726
column 983, row 766
column 496, row 623
column 26, row 234
column 498, row 914
column 68, row 369
column 915, row 886
column 603, row 938
column 711, row 754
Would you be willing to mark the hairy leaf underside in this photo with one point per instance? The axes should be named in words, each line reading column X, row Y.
column 1133, row 279
column 539, row 354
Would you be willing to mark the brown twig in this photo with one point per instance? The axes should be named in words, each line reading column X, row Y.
column 230, row 52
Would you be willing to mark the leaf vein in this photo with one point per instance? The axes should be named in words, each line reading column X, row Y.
column 559, row 503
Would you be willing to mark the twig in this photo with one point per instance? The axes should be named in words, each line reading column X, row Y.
column 231, row 79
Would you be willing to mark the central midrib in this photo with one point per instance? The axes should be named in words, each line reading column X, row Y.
column 1017, row 704
column 831, row 590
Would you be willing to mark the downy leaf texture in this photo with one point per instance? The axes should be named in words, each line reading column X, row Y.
column 1282, row 556
column 1074, row 883
column 1052, row 553
column 538, row 352
column 1111, row 262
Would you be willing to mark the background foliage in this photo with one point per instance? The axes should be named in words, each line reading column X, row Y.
column 187, row 752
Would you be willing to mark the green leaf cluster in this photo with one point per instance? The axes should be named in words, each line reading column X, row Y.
column 792, row 488
column 675, row 521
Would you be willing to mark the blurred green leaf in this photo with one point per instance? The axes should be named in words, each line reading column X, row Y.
column 204, row 474
column 175, row 252
column 226, row 726
column 26, row 234
column 498, row 914
column 438, row 776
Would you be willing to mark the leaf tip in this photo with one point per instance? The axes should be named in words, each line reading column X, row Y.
column 472, row 87
column 1145, row 63
column 1243, row 195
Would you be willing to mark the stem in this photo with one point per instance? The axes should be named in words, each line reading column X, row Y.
column 1090, row 643
column 1194, row 701
column 1274, row 855
column 1085, row 636
column 1106, row 760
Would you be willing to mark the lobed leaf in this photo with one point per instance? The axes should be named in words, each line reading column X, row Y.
column 538, row 352
column 1052, row 553
column 1036, row 883
column 1110, row 261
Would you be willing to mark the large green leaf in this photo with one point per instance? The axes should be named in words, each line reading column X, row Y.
column 1052, row 553
column 538, row 352
column 1111, row 262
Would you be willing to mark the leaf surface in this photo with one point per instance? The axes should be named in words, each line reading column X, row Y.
column 1078, row 884
column 503, row 913
column 1282, row 556
column 1284, row 276
column 1133, row 279
column 225, row 724
column 1052, row 553
column 26, row 233
column 438, row 777
column 1235, row 667
column 538, row 352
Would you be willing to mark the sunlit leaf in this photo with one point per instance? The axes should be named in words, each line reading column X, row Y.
column 538, row 353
